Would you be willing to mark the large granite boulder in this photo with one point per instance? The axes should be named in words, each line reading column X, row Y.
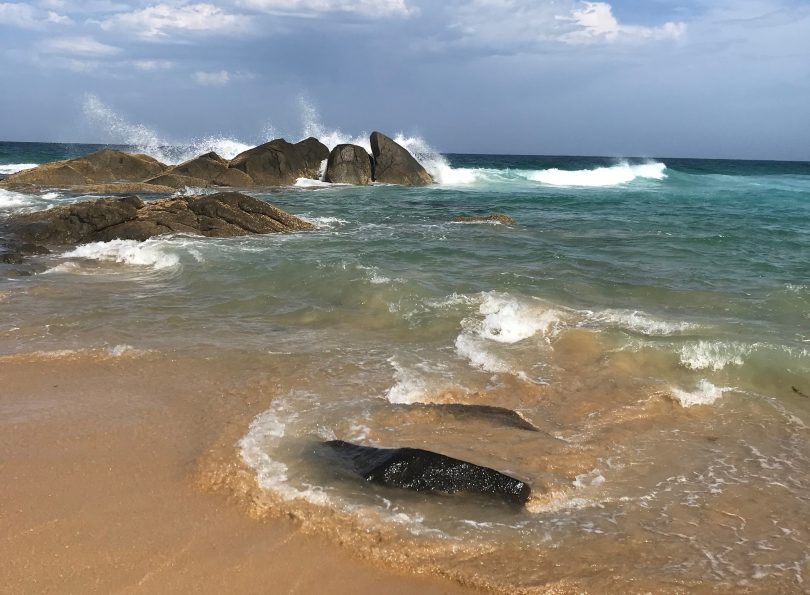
column 205, row 167
column 130, row 218
column 102, row 167
column 393, row 164
column 423, row 471
column 279, row 163
column 348, row 164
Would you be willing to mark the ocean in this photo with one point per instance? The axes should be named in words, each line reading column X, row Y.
column 651, row 317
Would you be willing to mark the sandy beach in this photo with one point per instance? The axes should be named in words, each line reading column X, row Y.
column 103, row 467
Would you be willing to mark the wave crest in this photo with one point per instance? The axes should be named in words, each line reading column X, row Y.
column 600, row 177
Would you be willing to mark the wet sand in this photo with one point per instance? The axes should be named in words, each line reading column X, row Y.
column 107, row 484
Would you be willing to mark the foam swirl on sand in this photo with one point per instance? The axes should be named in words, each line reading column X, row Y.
column 705, row 393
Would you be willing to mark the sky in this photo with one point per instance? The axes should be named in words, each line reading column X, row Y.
column 648, row 78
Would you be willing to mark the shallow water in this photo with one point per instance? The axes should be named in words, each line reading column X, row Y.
column 650, row 318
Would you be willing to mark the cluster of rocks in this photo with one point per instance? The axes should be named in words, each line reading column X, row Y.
column 223, row 214
column 276, row 163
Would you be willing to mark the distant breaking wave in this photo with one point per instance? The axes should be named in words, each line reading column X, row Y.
column 600, row 176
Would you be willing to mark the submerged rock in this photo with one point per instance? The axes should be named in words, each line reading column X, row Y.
column 494, row 218
column 130, row 218
column 492, row 413
column 348, row 164
column 393, row 164
column 424, row 471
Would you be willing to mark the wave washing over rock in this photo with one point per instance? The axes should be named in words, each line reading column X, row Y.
column 633, row 350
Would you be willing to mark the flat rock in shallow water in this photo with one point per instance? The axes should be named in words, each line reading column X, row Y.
column 496, row 415
column 223, row 214
column 494, row 218
column 424, row 471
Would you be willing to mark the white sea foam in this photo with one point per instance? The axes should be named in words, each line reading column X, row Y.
column 50, row 195
column 506, row 320
column 639, row 322
column 600, row 176
column 264, row 435
column 310, row 183
column 13, row 168
column 324, row 222
column 410, row 386
column 475, row 350
column 9, row 199
column 713, row 355
column 705, row 393
column 151, row 253
column 117, row 130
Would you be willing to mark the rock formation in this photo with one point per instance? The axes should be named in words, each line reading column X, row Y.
column 129, row 218
column 279, row 163
column 107, row 166
column 349, row 164
column 393, row 164
column 494, row 218
column 276, row 163
column 423, row 471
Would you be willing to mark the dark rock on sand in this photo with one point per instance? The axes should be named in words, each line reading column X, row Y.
column 423, row 471
column 393, row 164
column 129, row 218
column 279, row 163
column 102, row 167
column 494, row 218
column 349, row 164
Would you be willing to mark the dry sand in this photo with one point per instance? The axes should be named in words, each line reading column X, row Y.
column 100, row 485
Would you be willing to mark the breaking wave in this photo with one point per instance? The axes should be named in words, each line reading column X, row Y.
column 600, row 176
column 13, row 168
column 156, row 254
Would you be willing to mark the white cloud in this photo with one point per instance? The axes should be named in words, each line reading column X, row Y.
column 81, row 46
column 529, row 26
column 596, row 23
column 28, row 17
column 160, row 20
column 372, row 8
column 149, row 65
column 218, row 78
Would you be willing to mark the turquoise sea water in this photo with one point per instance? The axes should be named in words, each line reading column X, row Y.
column 634, row 303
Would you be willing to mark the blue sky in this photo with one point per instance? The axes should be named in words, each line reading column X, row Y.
column 724, row 78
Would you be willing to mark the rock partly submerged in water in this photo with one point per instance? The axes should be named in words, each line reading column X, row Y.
column 276, row 163
column 349, row 164
column 279, row 163
column 493, row 218
column 129, row 218
column 423, row 471
column 393, row 164
column 493, row 414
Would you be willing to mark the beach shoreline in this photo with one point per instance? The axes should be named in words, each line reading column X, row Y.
column 101, row 488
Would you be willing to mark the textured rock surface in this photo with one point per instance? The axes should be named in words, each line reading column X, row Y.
column 494, row 218
column 205, row 167
column 102, row 167
column 348, row 164
column 423, row 471
column 280, row 163
column 129, row 218
column 393, row 164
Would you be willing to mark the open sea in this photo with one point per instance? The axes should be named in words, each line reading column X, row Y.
column 650, row 316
